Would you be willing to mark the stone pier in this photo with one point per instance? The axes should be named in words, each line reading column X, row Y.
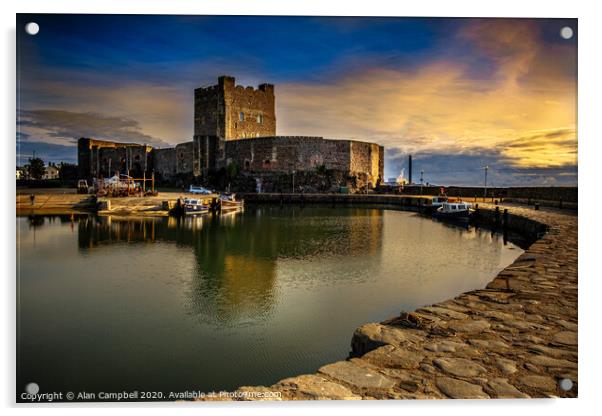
column 516, row 338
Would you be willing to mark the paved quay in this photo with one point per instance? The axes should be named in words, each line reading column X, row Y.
column 516, row 338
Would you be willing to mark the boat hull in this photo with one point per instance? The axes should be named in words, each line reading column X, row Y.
column 195, row 210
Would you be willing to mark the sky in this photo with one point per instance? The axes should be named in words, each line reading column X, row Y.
column 458, row 94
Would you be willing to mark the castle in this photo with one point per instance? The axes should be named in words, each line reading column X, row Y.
column 235, row 126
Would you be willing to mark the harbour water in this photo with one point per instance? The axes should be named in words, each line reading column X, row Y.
column 209, row 304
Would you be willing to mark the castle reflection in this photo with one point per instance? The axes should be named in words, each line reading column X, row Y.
column 237, row 254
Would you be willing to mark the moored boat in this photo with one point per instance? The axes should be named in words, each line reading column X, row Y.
column 229, row 202
column 453, row 210
column 194, row 206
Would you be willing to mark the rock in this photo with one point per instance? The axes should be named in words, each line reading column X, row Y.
column 545, row 383
column 469, row 325
column 501, row 389
column 567, row 325
column 392, row 357
column 427, row 368
column 460, row 367
column 444, row 346
column 313, row 387
column 458, row 389
column 356, row 376
column 566, row 338
column 371, row 336
column 443, row 312
column 506, row 366
column 551, row 362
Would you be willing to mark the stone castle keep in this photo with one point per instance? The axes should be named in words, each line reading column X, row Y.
column 235, row 126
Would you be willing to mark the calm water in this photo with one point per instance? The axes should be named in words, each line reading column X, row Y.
column 215, row 303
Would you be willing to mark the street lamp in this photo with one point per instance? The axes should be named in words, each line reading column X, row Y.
column 485, row 189
column 294, row 181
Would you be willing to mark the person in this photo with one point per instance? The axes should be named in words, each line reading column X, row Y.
column 32, row 198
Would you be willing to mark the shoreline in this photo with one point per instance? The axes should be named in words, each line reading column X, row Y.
column 515, row 338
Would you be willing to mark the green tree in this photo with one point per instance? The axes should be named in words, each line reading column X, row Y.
column 36, row 168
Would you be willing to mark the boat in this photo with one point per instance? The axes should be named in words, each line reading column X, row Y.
column 199, row 190
column 453, row 210
column 194, row 206
column 229, row 202
column 431, row 205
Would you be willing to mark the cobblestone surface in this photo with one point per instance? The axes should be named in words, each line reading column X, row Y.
column 517, row 338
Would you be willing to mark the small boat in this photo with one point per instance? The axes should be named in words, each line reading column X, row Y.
column 199, row 190
column 194, row 206
column 453, row 210
column 229, row 202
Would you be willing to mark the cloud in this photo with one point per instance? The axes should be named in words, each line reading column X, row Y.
column 48, row 152
column 65, row 127
column 513, row 107
column 466, row 167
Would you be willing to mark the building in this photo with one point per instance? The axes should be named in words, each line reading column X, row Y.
column 234, row 126
column 51, row 172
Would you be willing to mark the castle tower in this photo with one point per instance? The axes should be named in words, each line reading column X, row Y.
column 227, row 111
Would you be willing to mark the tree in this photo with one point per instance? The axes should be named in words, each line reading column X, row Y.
column 36, row 168
column 68, row 171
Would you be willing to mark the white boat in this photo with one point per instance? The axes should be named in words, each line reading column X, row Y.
column 454, row 210
column 199, row 190
column 194, row 206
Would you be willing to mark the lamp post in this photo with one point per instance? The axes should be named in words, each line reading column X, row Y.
column 485, row 189
column 294, row 181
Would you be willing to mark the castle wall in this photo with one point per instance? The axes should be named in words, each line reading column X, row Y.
column 288, row 153
column 231, row 111
column 367, row 158
column 104, row 158
column 164, row 163
column 249, row 112
column 184, row 157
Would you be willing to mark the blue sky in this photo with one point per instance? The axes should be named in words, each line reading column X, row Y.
column 456, row 93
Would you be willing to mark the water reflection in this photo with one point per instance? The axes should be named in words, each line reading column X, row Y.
column 213, row 303
column 237, row 254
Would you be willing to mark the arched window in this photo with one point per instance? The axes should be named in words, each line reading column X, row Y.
column 260, row 118
column 241, row 116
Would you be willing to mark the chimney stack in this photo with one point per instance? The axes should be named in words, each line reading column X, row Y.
column 410, row 169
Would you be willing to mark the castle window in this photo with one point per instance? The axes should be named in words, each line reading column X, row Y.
column 241, row 116
column 260, row 118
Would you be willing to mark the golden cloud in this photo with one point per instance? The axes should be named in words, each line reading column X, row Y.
column 518, row 108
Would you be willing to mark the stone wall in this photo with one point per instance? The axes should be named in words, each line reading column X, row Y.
column 184, row 158
column 288, row 153
column 104, row 158
column 164, row 162
column 231, row 111
column 367, row 158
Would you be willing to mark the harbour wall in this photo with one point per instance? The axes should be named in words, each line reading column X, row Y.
column 516, row 338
